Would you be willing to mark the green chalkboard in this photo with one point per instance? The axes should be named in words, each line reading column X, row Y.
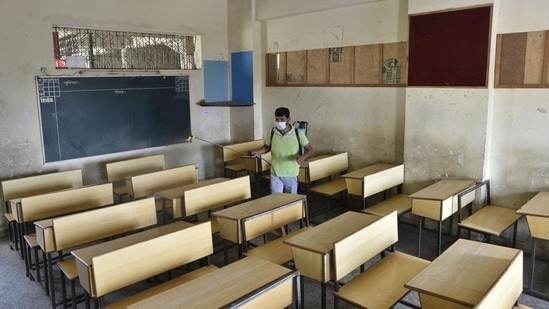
column 88, row 116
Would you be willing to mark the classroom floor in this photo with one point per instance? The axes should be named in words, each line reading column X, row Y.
column 17, row 291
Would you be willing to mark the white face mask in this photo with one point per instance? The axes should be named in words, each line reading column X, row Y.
column 281, row 125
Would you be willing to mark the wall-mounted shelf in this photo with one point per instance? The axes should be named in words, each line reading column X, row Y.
column 225, row 103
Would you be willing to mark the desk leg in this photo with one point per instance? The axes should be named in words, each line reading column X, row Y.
column 21, row 230
column 46, row 278
column 52, row 287
column 323, row 294
column 439, row 244
column 299, row 293
column 225, row 252
column 420, row 225
column 532, row 264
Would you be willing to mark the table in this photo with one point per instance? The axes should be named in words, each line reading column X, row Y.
column 312, row 249
column 536, row 211
column 471, row 274
column 174, row 195
column 438, row 202
column 258, row 167
column 245, row 221
column 250, row 282
column 372, row 179
column 84, row 256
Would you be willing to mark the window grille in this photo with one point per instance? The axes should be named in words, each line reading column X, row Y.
column 105, row 49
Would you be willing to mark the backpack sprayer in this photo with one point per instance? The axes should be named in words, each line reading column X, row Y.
column 192, row 138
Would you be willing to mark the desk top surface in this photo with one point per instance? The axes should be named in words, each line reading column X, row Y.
column 259, row 206
column 180, row 191
column 536, row 206
column 465, row 272
column 219, row 288
column 442, row 189
column 44, row 224
column 369, row 170
column 86, row 254
column 322, row 237
column 312, row 159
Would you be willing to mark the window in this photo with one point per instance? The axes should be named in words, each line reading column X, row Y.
column 105, row 49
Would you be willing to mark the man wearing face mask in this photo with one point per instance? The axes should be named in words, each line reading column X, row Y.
column 284, row 145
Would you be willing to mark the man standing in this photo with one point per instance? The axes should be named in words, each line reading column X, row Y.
column 284, row 143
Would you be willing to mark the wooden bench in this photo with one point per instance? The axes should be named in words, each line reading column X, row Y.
column 108, row 267
column 247, row 283
column 372, row 179
column 382, row 284
column 118, row 172
column 400, row 203
column 240, row 223
column 328, row 168
column 275, row 250
column 489, row 220
column 204, row 199
column 151, row 183
column 232, row 156
column 15, row 189
column 58, row 203
column 82, row 228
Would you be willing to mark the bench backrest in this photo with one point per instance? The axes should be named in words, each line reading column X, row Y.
column 39, row 184
column 359, row 247
column 125, row 266
column 328, row 166
column 151, row 183
column 54, row 204
column 213, row 196
column 123, row 169
column 235, row 151
column 78, row 229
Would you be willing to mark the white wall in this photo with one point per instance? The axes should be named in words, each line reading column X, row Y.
column 478, row 133
column 26, row 39
column 520, row 143
column 446, row 128
column 368, row 122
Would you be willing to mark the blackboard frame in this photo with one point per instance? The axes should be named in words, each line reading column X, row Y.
column 88, row 116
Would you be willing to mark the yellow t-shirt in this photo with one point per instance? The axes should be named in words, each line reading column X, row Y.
column 284, row 151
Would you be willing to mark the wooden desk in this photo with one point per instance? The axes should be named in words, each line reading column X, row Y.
column 66, row 232
column 257, row 168
column 246, row 221
column 84, row 257
column 536, row 211
column 175, row 195
column 374, row 178
column 248, row 283
column 438, row 202
column 471, row 274
column 15, row 189
column 313, row 249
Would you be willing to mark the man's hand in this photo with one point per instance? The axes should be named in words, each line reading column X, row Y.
column 300, row 160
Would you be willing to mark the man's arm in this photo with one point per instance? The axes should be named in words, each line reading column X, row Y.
column 308, row 153
column 254, row 153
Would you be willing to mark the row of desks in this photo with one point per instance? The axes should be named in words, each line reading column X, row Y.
column 464, row 274
column 437, row 195
column 438, row 202
column 250, row 276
